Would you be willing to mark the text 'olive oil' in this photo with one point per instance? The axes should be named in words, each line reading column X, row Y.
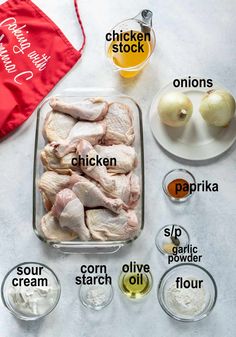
column 135, row 285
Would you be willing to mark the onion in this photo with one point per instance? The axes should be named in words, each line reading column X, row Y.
column 175, row 109
column 217, row 107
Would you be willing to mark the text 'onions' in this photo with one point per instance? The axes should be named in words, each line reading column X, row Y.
column 175, row 109
column 218, row 107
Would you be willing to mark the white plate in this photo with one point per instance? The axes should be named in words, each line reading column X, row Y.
column 197, row 140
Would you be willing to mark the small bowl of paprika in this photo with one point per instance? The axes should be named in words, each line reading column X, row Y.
column 176, row 185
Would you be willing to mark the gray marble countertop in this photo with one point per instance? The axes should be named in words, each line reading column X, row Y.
column 193, row 38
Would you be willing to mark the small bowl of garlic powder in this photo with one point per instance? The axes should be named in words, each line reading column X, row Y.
column 30, row 291
column 187, row 292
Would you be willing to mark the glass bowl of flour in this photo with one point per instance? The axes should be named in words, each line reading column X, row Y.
column 187, row 292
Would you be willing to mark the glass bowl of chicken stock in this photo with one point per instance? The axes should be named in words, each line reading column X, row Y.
column 71, row 96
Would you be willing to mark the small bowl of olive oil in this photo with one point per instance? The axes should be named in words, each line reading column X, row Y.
column 135, row 285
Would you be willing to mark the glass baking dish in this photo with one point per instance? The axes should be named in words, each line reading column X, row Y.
column 76, row 246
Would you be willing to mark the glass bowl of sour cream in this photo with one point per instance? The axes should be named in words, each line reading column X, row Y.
column 30, row 291
column 187, row 292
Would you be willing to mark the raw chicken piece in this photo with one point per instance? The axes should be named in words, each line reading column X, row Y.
column 119, row 121
column 91, row 196
column 69, row 211
column 98, row 173
column 127, row 188
column 105, row 225
column 60, row 165
column 57, row 126
column 62, row 198
column 91, row 131
column 126, row 157
column 92, row 109
column 134, row 190
column 52, row 231
column 50, row 184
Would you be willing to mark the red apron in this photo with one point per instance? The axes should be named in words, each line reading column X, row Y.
column 34, row 56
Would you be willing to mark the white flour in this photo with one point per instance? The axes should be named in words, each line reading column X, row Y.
column 186, row 302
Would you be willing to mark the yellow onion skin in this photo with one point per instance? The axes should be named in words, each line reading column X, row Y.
column 175, row 109
column 217, row 108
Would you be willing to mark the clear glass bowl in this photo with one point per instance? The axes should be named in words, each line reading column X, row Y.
column 163, row 242
column 96, row 297
column 76, row 246
column 187, row 271
column 7, row 287
column 177, row 174
column 135, row 292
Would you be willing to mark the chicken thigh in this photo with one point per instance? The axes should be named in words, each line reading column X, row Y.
column 60, row 165
column 57, row 126
column 98, row 173
column 51, row 229
column 92, row 109
column 91, row 131
column 105, row 225
column 127, row 188
column 50, row 184
column 126, row 157
column 120, row 128
column 69, row 211
column 91, row 196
